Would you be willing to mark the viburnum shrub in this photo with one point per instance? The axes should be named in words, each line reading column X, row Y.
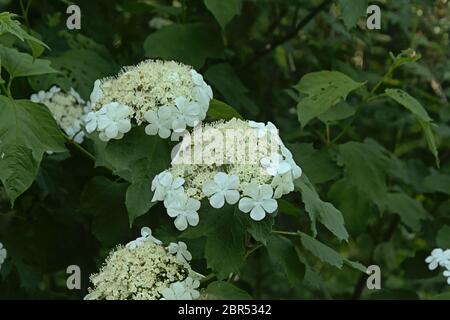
column 263, row 150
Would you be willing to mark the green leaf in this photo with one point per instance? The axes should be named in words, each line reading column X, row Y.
column 20, row 64
column 321, row 251
column 285, row 258
column 356, row 265
column 438, row 182
column 220, row 290
column 443, row 237
column 321, row 211
column 352, row 11
column 317, row 164
column 27, row 130
column 104, row 201
column 420, row 113
column 136, row 158
column 223, row 77
column 338, row 112
column 410, row 210
column 224, row 11
column 259, row 230
column 366, row 170
column 353, row 204
column 78, row 69
column 8, row 24
column 194, row 44
column 220, row 110
column 324, row 89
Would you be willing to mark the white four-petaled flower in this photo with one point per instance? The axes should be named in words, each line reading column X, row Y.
column 223, row 187
column 163, row 183
column 180, row 250
column 176, row 291
column 275, row 165
column 437, row 258
column 258, row 202
column 282, row 184
column 146, row 235
column 160, row 122
column 182, row 208
column 3, row 254
column 113, row 121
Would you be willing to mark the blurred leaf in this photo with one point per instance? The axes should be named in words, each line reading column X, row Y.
column 284, row 257
column 366, row 170
column 220, row 290
column 410, row 210
column 78, row 69
column 195, row 43
column 352, row 10
column 224, row 11
column 219, row 110
column 443, row 237
column 223, row 77
column 324, row 89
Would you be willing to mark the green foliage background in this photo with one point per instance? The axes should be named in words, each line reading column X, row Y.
column 365, row 113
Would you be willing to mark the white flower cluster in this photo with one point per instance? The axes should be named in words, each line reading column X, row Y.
column 146, row 270
column 440, row 258
column 68, row 109
column 3, row 255
column 255, row 186
column 166, row 95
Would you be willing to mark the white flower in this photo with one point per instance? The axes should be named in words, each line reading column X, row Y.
column 191, row 285
column 113, row 121
column 160, row 122
column 180, row 250
column 146, row 235
column 296, row 170
column 96, row 93
column 258, row 202
column 224, row 187
column 77, row 96
column 176, row 291
column 202, row 91
column 90, row 121
column 3, row 254
column 263, row 128
column 437, row 258
column 282, row 184
column 275, row 165
column 447, row 275
column 190, row 113
column 182, row 208
column 163, row 183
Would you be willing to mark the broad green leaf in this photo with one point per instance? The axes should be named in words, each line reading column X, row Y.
column 219, row 110
column 224, row 11
column 27, row 130
column 137, row 158
column 223, row 77
column 353, row 204
column 443, row 237
column 317, row 164
column 352, row 11
column 324, row 89
column 321, row 251
column 220, row 290
column 259, row 230
column 224, row 230
column 20, row 64
column 410, row 210
column 78, row 69
column 321, row 211
column 366, row 170
column 438, row 182
column 194, row 44
column 8, row 24
column 103, row 200
column 420, row 113
column 356, row 265
column 284, row 257
column 338, row 112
